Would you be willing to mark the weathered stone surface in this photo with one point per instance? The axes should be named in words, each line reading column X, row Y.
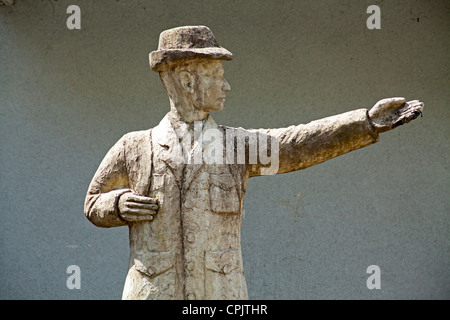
column 186, row 42
column 6, row 2
column 180, row 186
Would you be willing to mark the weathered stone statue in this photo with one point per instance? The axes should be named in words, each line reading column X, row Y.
column 179, row 187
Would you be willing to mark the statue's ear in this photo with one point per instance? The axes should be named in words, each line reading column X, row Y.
column 187, row 81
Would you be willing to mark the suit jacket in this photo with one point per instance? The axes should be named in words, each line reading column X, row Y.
column 192, row 249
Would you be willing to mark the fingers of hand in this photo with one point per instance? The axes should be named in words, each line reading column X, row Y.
column 410, row 112
column 415, row 105
column 132, row 215
column 412, row 109
column 142, row 206
column 138, row 208
column 141, row 199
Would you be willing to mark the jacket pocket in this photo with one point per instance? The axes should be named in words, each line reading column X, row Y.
column 224, row 278
column 223, row 261
column 154, row 263
column 152, row 277
column 223, row 194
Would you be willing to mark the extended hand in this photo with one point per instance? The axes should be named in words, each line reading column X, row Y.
column 389, row 113
column 134, row 208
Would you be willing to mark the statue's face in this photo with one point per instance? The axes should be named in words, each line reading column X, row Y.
column 210, row 87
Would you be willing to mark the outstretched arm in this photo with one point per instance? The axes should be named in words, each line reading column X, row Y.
column 302, row 146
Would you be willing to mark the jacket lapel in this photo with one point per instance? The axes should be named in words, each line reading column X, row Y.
column 145, row 165
column 197, row 153
column 139, row 160
column 167, row 148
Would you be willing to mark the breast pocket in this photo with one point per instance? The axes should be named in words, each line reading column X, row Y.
column 223, row 194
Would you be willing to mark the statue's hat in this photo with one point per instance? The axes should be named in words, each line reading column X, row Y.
column 185, row 43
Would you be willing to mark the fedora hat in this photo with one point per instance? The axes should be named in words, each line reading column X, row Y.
column 185, row 43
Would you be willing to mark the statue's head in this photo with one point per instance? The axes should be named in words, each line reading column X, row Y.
column 189, row 61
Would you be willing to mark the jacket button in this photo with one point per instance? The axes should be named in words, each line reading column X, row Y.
column 190, row 266
column 191, row 296
column 190, row 237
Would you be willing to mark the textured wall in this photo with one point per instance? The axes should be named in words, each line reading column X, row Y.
column 68, row 95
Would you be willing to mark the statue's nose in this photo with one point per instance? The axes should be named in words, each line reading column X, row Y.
column 226, row 86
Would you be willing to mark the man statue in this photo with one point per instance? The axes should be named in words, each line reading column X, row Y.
column 179, row 187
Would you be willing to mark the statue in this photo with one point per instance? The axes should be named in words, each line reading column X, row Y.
column 180, row 186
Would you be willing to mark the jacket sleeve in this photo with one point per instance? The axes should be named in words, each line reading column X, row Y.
column 302, row 146
column 109, row 183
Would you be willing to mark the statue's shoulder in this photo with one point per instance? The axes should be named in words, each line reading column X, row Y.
column 232, row 129
column 237, row 131
column 136, row 137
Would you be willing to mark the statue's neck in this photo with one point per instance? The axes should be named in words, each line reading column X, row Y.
column 186, row 113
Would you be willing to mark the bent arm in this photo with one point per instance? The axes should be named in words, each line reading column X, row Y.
column 305, row 145
column 109, row 183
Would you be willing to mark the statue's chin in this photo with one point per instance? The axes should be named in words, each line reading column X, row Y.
column 218, row 107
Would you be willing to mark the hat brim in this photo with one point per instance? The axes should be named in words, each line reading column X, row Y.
column 160, row 59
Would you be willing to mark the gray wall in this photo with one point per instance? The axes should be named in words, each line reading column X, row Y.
column 68, row 95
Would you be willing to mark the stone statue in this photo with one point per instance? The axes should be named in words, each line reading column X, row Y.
column 179, row 187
